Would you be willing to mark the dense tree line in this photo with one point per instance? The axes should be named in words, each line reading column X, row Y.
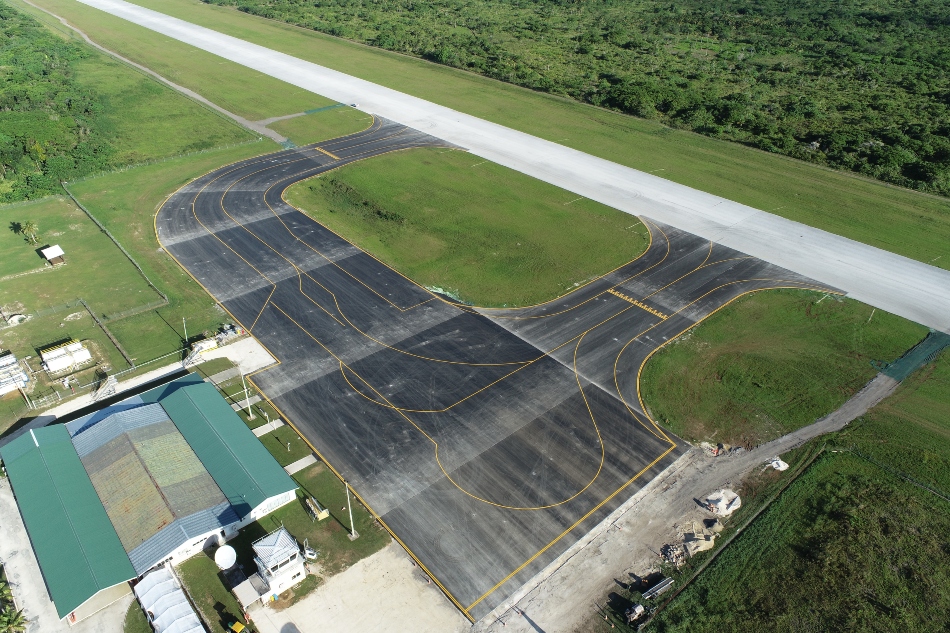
column 862, row 85
column 50, row 127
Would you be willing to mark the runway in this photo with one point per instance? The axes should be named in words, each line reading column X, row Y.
column 908, row 288
column 488, row 441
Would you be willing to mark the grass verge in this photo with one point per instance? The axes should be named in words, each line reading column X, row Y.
column 770, row 363
column 489, row 234
column 145, row 119
column 854, row 543
column 126, row 204
column 898, row 220
column 322, row 126
column 135, row 620
column 329, row 537
column 247, row 93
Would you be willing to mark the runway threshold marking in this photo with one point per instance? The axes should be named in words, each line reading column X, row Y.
column 642, row 306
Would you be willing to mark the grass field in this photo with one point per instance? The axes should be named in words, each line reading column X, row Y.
column 769, row 363
column 911, row 224
column 244, row 92
column 126, row 203
column 145, row 120
column 95, row 269
column 484, row 232
column 135, row 620
column 329, row 537
column 321, row 126
column 852, row 546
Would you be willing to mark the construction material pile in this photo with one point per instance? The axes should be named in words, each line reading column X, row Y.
column 723, row 502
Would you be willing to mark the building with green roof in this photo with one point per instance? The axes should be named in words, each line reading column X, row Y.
column 152, row 479
column 75, row 544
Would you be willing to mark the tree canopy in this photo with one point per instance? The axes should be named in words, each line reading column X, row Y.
column 861, row 85
column 49, row 125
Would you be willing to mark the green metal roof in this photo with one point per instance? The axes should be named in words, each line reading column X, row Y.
column 241, row 466
column 74, row 541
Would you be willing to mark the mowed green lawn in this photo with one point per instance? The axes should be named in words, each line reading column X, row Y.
column 248, row 93
column 485, row 233
column 770, row 363
column 95, row 271
column 324, row 125
column 905, row 222
column 126, row 203
column 851, row 546
column 145, row 120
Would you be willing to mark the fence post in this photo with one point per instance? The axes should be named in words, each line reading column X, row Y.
column 114, row 241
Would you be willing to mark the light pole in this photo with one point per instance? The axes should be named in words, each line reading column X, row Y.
column 353, row 533
column 184, row 344
column 247, row 400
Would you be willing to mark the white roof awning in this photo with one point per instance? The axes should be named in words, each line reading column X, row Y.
column 52, row 252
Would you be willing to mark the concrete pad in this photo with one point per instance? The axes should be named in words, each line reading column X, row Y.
column 248, row 354
column 300, row 464
column 266, row 428
column 384, row 593
column 244, row 404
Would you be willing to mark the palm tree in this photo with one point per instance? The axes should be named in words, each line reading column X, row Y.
column 6, row 593
column 30, row 230
column 12, row 621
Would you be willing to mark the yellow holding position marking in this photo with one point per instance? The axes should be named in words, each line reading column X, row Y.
column 642, row 306
column 323, row 151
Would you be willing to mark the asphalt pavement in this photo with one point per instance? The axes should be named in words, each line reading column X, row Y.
column 887, row 281
column 488, row 441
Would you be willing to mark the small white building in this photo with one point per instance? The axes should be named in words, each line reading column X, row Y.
column 54, row 254
column 65, row 357
column 12, row 376
column 280, row 566
column 279, row 561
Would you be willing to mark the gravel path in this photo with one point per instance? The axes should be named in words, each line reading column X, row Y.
column 563, row 596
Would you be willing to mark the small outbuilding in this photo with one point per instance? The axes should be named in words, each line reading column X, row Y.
column 64, row 357
column 12, row 376
column 54, row 255
column 280, row 566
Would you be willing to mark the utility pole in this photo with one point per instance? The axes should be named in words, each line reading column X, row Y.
column 247, row 400
column 353, row 533
column 185, row 328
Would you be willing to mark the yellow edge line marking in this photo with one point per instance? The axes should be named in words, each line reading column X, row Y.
column 285, row 416
column 289, row 421
column 362, row 501
column 574, row 525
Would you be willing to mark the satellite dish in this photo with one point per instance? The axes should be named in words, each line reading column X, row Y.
column 225, row 557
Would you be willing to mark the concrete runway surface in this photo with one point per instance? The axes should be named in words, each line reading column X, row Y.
column 487, row 440
column 882, row 279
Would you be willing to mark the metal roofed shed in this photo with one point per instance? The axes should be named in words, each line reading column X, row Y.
column 54, row 254
column 76, row 546
column 12, row 376
column 165, row 604
column 250, row 477
column 65, row 357
column 154, row 488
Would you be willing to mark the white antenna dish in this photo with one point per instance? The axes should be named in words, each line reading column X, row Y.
column 225, row 557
